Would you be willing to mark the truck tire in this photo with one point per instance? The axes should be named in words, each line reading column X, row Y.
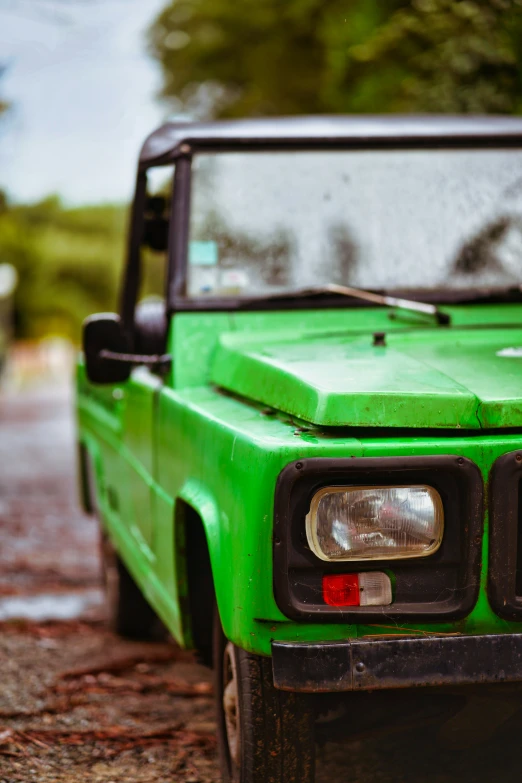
column 130, row 614
column 264, row 735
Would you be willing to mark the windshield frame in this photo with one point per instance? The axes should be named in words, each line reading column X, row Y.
column 178, row 301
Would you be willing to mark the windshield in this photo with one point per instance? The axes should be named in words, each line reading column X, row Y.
column 265, row 222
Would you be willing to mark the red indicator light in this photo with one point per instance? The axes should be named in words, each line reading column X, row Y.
column 341, row 590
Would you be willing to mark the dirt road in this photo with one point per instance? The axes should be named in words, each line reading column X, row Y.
column 76, row 702
column 79, row 704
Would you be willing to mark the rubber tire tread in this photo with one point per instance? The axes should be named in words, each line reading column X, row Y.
column 277, row 727
column 130, row 614
column 279, row 748
column 134, row 617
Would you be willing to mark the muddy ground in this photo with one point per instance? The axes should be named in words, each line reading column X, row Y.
column 76, row 702
column 79, row 704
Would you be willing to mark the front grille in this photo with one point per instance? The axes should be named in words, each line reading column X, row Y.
column 505, row 521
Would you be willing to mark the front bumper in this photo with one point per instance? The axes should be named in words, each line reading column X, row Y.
column 374, row 664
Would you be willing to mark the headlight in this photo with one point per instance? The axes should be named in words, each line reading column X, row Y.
column 377, row 523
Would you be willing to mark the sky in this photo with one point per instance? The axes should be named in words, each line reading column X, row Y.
column 83, row 95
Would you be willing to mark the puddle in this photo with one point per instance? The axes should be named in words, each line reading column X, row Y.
column 50, row 606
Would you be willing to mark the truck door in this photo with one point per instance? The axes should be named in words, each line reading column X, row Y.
column 149, row 338
column 139, row 403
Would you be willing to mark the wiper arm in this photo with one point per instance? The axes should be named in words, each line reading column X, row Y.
column 391, row 301
column 368, row 296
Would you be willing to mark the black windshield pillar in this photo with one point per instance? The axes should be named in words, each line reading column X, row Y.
column 132, row 277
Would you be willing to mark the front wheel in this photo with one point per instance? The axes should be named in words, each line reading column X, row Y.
column 265, row 735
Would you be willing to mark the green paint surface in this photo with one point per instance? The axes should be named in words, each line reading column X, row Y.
column 424, row 378
column 203, row 436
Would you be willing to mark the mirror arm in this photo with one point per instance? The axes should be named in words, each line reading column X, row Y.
column 157, row 362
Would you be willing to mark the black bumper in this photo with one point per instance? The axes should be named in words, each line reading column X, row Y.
column 370, row 664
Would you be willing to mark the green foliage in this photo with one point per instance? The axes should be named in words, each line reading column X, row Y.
column 3, row 103
column 266, row 57
column 455, row 57
column 68, row 262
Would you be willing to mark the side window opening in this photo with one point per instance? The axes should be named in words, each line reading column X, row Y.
column 150, row 314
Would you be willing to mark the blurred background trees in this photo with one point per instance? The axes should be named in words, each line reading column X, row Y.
column 3, row 104
column 223, row 58
column 68, row 262
column 263, row 57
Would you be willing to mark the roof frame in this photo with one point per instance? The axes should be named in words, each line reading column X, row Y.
column 173, row 140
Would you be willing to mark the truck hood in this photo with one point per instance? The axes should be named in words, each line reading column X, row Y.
column 468, row 378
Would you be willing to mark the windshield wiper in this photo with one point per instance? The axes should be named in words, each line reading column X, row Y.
column 359, row 293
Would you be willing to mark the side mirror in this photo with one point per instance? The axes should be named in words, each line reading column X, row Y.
column 103, row 339
column 107, row 351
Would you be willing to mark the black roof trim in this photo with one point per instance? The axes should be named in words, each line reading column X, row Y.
column 163, row 145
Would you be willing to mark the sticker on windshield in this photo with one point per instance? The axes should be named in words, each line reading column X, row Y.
column 234, row 280
column 203, row 253
column 511, row 353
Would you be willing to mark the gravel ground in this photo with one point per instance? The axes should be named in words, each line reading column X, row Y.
column 78, row 703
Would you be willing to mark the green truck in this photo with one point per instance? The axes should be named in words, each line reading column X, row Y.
column 305, row 451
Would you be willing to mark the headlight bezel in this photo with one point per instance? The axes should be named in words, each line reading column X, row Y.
column 311, row 532
column 441, row 587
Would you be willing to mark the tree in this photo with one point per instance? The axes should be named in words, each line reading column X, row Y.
column 265, row 57
column 3, row 104
column 68, row 262
column 454, row 57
